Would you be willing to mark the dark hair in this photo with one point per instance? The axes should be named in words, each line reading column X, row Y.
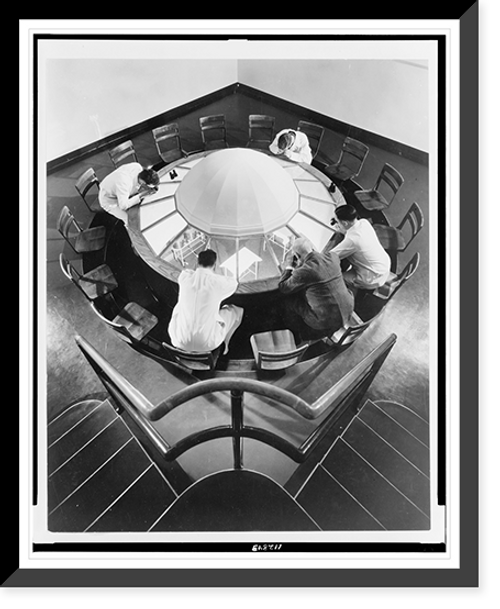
column 150, row 177
column 285, row 140
column 207, row 258
column 347, row 213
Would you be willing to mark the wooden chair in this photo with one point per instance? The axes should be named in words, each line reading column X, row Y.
column 81, row 240
column 168, row 143
column 398, row 238
column 87, row 187
column 260, row 131
column 349, row 164
column 213, row 131
column 123, row 153
column 276, row 350
column 348, row 334
column 132, row 323
column 397, row 280
column 383, row 192
column 314, row 134
column 95, row 283
column 197, row 361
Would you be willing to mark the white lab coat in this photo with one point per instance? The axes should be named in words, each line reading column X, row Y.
column 300, row 152
column 118, row 190
column 198, row 323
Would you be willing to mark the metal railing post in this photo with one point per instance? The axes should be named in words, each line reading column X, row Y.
column 237, row 425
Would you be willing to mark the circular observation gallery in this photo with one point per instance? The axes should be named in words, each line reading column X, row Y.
column 246, row 205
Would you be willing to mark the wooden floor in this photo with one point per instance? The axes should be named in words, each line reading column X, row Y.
column 402, row 384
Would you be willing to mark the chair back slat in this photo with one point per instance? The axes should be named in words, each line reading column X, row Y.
column 390, row 176
column 213, row 129
column 261, row 127
column 168, row 142
column 67, row 224
column 314, row 134
column 205, row 360
column 415, row 217
column 86, row 181
column 124, row 152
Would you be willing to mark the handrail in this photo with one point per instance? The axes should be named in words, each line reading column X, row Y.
column 144, row 411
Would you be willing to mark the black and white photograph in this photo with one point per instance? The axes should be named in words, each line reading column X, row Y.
column 241, row 247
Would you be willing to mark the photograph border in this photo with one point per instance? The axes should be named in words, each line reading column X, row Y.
column 464, row 576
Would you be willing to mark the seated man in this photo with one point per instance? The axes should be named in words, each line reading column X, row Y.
column 292, row 144
column 198, row 321
column 319, row 302
column 126, row 186
column 360, row 246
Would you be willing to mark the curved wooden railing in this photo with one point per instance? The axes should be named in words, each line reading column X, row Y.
column 333, row 402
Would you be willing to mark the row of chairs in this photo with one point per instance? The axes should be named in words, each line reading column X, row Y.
column 261, row 132
column 213, row 129
column 133, row 322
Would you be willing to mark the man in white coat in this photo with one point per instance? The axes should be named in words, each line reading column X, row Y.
column 126, row 186
column 198, row 321
column 294, row 145
column 360, row 245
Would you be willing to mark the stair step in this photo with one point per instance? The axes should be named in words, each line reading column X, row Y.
column 332, row 507
column 393, row 466
column 410, row 420
column 399, row 437
column 85, row 462
column 78, row 435
column 139, row 507
column 69, row 418
column 91, row 499
column 372, row 490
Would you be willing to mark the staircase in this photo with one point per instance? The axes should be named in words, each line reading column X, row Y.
column 100, row 477
column 374, row 476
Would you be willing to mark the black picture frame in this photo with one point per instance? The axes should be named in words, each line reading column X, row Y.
column 13, row 576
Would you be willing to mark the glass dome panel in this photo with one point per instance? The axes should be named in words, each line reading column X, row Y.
column 317, row 233
column 159, row 235
column 153, row 211
column 319, row 210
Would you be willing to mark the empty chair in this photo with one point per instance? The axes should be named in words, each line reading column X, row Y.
column 348, row 334
column 132, row 323
column 397, row 280
column 260, row 131
column 213, row 131
column 276, row 350
column 197, row 361
column 168, row 142
column 81, row 240
column 349, row 164
column 87, row 187
column 383, row 192
column 398, row 238
column 123, row 153
column 314, row 134
column 97, row 282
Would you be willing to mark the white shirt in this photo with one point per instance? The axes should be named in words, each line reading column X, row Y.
column 118, row 190
column 365, row 252
column 196, row 324
column 300, row 150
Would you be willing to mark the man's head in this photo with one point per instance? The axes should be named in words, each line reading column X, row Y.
column 207, row 259
column 149, row 177
column 301, row 247
column 286, row 140
column 345, row 215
